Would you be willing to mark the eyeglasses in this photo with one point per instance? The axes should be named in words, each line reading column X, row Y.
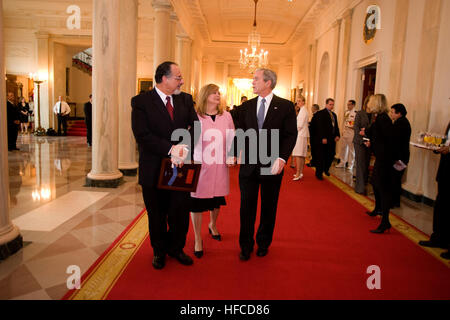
column 178, row 78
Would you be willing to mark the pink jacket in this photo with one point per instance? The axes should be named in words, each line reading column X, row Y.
column 211, row 150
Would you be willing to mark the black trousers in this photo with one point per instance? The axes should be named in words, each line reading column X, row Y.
column 13, row 132
column 89, row 132
column 270, row 190
column 168, row 219
column 62, row 120
column 396, row 186
column 325, row 156
column 441, row 216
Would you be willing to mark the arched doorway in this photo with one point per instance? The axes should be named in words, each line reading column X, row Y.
column 324, row 77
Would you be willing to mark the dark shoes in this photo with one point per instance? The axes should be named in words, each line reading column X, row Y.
column 432, row 244
column 244, row 255
column 217, row 237
column 319, row 177
column 382, row 228
column 159, row 262
column 327, row 173
column 261, row 252
column 198, row 254
column 374, row 213
column 182, row 258
column 446, row 255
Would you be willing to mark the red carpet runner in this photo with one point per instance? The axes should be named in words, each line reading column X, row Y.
column 321, row 250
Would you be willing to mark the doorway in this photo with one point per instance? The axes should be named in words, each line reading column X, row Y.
column 368, row 79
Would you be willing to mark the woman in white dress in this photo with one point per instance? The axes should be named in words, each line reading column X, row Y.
column 301, row 147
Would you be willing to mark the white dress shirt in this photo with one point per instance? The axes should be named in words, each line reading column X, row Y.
column 266, row 105
column 164, row 96
column 65, row 109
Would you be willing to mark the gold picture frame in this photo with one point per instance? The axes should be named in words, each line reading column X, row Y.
column 144, row 84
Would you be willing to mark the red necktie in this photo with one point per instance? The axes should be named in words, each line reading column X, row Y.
column 169, row 107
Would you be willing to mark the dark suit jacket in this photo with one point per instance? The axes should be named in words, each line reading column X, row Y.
column 361, row 121
column 402, row 135
column 12, row 114
column 281, row 116
column 444, row 164
column 88, row 113
column 324, row 127
column 153, row 127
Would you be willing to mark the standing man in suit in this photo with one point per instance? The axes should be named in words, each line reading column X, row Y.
column 402, row 134
column 12, row 113
column 62, row 111
column 271, row 114
column 326, row 135
column 156, row 114
column 440, row 238
column 88, row 120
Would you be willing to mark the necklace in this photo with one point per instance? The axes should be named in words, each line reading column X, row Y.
column 210, row 114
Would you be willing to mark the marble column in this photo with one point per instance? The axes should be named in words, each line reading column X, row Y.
column 127, row 84
column 42, row 67
column 173, row 35
column 10, row 238
column 398, row 51
column 105, row 95
column 162, row 31
column 335, row 63
column 183, row 58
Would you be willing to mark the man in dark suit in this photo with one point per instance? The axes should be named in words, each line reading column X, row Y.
column 12, row 113
column 440, row 238
column 402, row 134
column 88, row 120
column 325, row 137
column 262, row 117
column 156, row 114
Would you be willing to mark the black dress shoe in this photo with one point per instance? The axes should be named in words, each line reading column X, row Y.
column 432, row 244
column 217, row 237
column 374, row 213
column 244, row 255
column 327, row 173
column 261, row 252
column 158, row 262
column 319, row 177
column 382, row 228
column 446, row 255
column 182, row 258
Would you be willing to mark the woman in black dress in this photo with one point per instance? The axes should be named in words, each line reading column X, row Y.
column 380, row 133
column 24, row 110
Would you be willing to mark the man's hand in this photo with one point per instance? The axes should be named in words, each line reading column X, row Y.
column 231, row 161
column 178, row 154
column 336, row 139
column 362, row 132
column 277, row 167
column 17, row 121
column 444, row 150
column 324, row 141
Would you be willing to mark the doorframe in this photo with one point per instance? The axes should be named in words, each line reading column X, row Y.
column 358, row 71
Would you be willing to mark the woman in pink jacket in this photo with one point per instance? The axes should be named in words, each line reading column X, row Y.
column 211, row 150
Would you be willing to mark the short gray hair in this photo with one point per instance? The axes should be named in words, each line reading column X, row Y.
column 269, row 75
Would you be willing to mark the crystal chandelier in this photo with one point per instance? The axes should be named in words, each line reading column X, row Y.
column 252, row 59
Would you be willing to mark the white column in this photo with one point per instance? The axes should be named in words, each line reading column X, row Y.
column 127, row 84
column 42, row 67
column 105, row 95
column 184, row 60
column 162, row 31
column 173, row 35
column 10, row 238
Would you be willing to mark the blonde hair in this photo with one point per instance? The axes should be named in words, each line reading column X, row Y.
column 366, row 101
column 301, row 97
column 378, row 104
column 202, row 100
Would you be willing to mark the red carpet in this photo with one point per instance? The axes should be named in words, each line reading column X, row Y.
column 76, row 128
column 321, row 250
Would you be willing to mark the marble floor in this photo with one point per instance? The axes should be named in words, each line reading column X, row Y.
column 64, row 223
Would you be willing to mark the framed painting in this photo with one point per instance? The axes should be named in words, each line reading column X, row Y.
column 144, row 84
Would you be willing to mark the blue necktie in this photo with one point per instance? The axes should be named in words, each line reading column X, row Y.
column 261, row 112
